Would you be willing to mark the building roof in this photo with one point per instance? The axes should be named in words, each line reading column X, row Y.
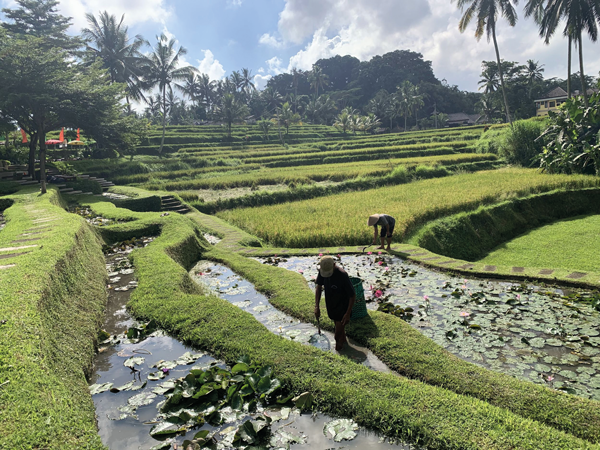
column 463, row 118
column 557, row 92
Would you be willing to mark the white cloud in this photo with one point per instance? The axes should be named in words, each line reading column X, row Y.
column 260, row 81
column 211, row 66
column 358, row 28
column 270, row 41
column 275, row 66
column 234, row 3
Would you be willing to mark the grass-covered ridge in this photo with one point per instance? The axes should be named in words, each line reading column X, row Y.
column 52, row 301
column 316, row 222
column 426, row 414
column 471, row 235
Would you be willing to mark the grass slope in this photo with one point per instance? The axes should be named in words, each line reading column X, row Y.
column 568, row 244
column 52, row 302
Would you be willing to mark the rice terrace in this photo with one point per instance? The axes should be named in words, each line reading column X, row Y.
column 349, row 252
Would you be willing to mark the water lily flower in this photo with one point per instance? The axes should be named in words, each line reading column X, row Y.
column 426, row 298
column 380, row 263
column 464, row 314
column 379, row 253
column 371, row 287
column 369, row 253
column 550, row 378
column 320, row 254
column 339, row 256
column 518, row 296
column 165, row 370
column 464, row 286
column 387, row 268
column 300, row 271
column 378, row 293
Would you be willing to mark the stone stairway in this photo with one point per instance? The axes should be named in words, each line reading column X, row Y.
column 171, row 204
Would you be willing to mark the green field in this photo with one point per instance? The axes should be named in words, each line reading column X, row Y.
column 568, row 244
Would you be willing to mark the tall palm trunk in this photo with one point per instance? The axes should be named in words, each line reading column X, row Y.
column 581, row 75
column 32, row 147
column 501, row 75
column 164, row 121
column 569, row 67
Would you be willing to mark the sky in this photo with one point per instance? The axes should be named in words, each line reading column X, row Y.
column 272, row 36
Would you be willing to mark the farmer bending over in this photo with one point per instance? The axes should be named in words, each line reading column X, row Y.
column 387, row 224
column 339, row 297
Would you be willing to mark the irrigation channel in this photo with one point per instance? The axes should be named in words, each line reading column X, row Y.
column 138, row 366
column 545, row 335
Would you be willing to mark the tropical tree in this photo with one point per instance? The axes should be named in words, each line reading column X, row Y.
column 287, row 117
column 579, row 15
column 265, row 125
column 489, row 80
column 272, row 98
column 345, row 120
column 107, row 40
column 486, row 12
column 191, row 88
column 487, row 108
column 161, row 69
column 369, row 122
column 317, row 79
column 247, row 83
column 231, row 110
column 207, row 91
column 534, row 73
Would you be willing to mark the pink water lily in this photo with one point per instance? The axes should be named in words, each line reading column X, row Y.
column 518, row 296
column 369, row 253
column 320, row 254
column 165, row 370
column 300, row 271
column 550, row 378
column 464, row 286
column 380, row 263
column 378, row 293
column 464, row 314
column 379, row 253
column 387, row 268
column 425, row 297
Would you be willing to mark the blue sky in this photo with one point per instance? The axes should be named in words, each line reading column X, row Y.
column 271, row 36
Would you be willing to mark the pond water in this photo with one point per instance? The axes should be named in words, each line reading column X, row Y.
column 545, row 335
column 137, row 365
column 93, row 218
column 213, row 240
column 240, row 292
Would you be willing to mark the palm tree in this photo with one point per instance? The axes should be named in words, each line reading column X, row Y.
column 345, row 120
column 487, row 108
column 287, row 117
column 108, row 41
column 236, row 80
column 489, row 80
column 207, row 90
column 191, row 87
column 404, row 97
column 272, row 98
column 317, row 79
column 231, row 110
column 580, row 16
column 487, row 13
column 161, row 69
column 534, row 73
column 247, row 83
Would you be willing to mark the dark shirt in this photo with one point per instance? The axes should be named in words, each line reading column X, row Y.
column 384, row 220
column 338, row 290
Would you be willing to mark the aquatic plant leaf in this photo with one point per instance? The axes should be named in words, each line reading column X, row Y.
column 236, row 401
column 142, row 399
column 99, row 388
column 166, row 429
column 134, row 361
column 162, row 364
column 189, row 358
column 163, row 445
column 340, row 429
column 283, row 439
column 155, row 376
column 240, row 368
column 303, row 401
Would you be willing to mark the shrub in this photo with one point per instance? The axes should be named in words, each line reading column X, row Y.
column 490, row 141
column 521, row 144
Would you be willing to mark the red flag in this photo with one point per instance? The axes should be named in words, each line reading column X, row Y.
column 78, row 134
column 61, row 138
column 24, row 136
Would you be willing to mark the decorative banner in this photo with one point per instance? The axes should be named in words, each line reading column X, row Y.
column 24, row 136
column 78, row 134
column 61, row 138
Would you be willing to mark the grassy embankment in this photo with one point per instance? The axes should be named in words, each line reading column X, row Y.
column 316, row 222
column 423, row 413
column 51, row 305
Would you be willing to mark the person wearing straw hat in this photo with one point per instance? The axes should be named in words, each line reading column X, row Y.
column 387, row 224
column 339, row 297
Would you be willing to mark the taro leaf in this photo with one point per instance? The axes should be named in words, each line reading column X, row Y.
column 265, row 371
column 253, row 381
column 240, row 368
column 303, row 401
column 272, row 386
column 166, row 429
column 142, row 399
column 99, row 388
column 134, row 361
column 237, row 402
column 340, row 429
column 214, row 418
column 246, row 390
column 251, row 429
column 232, row 390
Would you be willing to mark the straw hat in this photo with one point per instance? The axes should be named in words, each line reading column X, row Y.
column 326, row 266
column 373, row 220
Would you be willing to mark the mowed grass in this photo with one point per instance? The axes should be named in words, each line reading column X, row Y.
column 568, row 244
column 342, row 219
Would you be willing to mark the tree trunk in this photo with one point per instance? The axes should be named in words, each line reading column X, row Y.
column 569, row 68
column 501, row 75
column 581, row 75
column 405, row 119
column 42, row 139
column 32, row 145
column 162, row 140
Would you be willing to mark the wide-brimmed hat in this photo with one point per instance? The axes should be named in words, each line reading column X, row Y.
column 326, row 266
column 373, row 220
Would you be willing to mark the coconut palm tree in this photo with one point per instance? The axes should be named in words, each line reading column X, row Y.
column 489, row 80
column 487, row 108
column 161, row 68
column 247, row 81
column 107, row 40
column 191, row 88
column 580, row 16
column 207, row 90
column 287, row 117
column 534, row 73
column 486, row 12
column 317, row 79
column 231, row 110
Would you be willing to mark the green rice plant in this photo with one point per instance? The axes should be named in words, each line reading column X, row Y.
column 341, row 219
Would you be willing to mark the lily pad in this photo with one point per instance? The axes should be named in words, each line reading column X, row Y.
column 99, row 388
column 340, row 429
column 134, row 361
column 142, row 399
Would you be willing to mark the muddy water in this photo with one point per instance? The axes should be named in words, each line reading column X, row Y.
column 530, row 332
column 240, row 292
column 126, row 417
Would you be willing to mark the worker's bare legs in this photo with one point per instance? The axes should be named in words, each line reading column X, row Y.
column 340, row 335
column 389, row 241
column 382, row 247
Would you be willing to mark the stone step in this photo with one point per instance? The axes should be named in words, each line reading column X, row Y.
column 170, row 203
column 171, row 208
column 65, row 189
column 74, row 192
column 60, row 185
column 26, row 183
column 88, row 193
column 84, row 177
column 183, row 211
column 167, row 197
